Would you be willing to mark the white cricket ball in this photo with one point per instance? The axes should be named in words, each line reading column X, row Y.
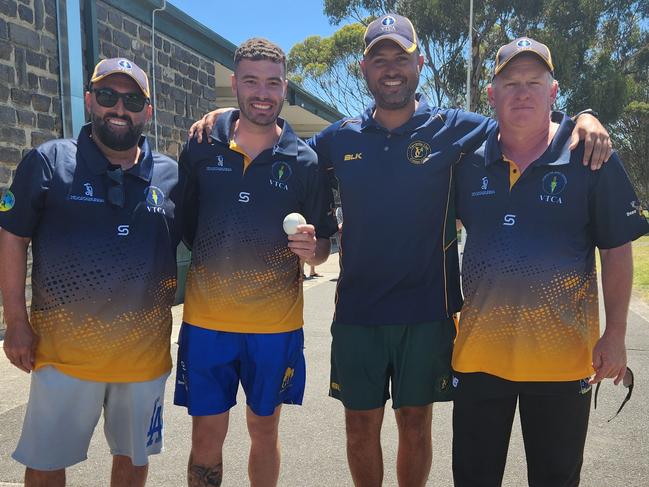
column 291, row 221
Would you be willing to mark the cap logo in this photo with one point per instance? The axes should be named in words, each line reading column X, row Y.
column 389, row 20
column 524, row 43
column 124, row 64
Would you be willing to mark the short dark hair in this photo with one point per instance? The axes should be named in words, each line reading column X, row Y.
column 257, row 49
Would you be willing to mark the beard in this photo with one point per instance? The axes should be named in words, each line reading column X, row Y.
column 393, row 101
column 113, row 140
column 262, row 119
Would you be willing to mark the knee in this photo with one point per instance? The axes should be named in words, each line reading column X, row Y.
column 362, row 426
column 415, row 423
column 208, row 433
column 263, row 429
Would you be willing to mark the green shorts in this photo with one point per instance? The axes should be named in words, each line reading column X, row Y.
column 412, row 362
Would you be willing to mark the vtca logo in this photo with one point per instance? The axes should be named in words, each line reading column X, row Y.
column 154, row 199
column 554, row 183
column 280, row 173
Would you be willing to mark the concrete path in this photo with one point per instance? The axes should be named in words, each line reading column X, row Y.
column 313, row 436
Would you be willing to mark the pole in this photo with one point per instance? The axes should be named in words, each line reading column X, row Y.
column 470, row 58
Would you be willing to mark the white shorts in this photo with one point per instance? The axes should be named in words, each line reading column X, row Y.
column 63, row 411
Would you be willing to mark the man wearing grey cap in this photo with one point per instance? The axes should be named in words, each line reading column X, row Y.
column 99, row 214
column 529, row 330
column 398, row 290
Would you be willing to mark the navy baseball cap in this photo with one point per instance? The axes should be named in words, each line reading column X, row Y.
column 394, row 27
column 106, row 67
column 520, row 46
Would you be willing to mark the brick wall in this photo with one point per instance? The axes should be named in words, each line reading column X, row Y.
column 185, row 80
column 29, row 84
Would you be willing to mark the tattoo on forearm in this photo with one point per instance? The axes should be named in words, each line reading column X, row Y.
column 202, row 476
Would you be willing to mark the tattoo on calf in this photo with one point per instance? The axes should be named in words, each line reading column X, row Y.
column 202, row 476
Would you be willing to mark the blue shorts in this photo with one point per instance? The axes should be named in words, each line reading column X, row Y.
column 211, row 363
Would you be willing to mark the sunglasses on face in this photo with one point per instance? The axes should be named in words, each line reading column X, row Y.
column 107, row 97
column 627, row 381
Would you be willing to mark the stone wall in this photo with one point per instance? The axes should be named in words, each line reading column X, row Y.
column 30, row 108
column 29, row 84
column 185, row 80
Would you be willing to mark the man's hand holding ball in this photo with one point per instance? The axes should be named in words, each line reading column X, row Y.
column 301, row 236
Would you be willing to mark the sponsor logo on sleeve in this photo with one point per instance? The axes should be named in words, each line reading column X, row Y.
column 7, row 200
column 637, row 209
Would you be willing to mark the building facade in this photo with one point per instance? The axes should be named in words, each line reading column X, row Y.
column 48, row 49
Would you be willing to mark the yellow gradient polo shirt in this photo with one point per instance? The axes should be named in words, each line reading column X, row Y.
column 528, row 271
column 243, row 277
column 104, row 274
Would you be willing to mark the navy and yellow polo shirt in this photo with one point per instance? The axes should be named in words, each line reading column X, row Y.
column 103, row 276
column 399, row 261
column 243, row 277
column 528, row 271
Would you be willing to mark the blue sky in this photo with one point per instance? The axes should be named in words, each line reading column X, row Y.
column 281, row 21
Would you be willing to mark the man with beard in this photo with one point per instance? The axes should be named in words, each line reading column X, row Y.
column 99, row 213
column 398, row 289
column 243, row 303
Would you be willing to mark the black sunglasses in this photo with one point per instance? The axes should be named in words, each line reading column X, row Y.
column 116, row 195
column 627, row 381
column 107, row 97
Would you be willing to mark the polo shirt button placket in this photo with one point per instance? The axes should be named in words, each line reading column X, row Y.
column 387, row 147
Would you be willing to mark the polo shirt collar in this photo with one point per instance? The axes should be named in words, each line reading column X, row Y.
column 419, row 119
column 557, row 154
column 286, row 145
column 98, row 163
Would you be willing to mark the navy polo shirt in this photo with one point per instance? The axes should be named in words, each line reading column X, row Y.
column 243, row 277
column 528, row 270
column 399, row 261
column 103, row 276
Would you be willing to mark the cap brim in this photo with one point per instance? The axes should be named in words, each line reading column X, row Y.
column 401, row 41
column 144, row 89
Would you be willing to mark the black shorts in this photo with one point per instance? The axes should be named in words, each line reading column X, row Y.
column 554, row 421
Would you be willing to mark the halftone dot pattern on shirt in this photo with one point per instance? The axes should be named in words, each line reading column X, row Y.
column 240, row 275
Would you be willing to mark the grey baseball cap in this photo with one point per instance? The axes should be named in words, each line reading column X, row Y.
column 106, row 67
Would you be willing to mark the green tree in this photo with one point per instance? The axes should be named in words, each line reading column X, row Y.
column 631, row 139
column 590, row 39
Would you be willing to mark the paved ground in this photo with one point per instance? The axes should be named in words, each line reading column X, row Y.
column 313, row 442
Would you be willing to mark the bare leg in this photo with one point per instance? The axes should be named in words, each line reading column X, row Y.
column 205, row 468
column 364, row 446
column 125, row 474
column 415, row 454
column 41, row 478
column 263, row 464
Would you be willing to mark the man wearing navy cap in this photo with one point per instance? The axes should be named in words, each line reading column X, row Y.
column 529, row 329
column 398, row 289
column 99, row 214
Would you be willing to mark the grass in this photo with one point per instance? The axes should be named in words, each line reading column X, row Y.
column 641, row 267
